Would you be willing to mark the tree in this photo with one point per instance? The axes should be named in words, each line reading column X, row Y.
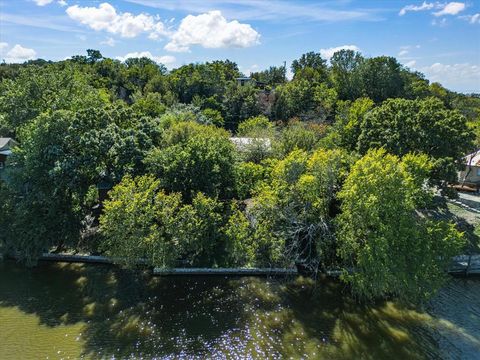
column 93, row 56
column 386, row 248
column 194, row 158
column 141, row 223
column 295, row 98
column 54, row 175
column 349, row 123
column 240, row 103
column 425, row 126
column 310, row 67
column 44, row 89
column 293, row 210
column 273, row 76
column 298, row 135
column 345, row 75
column 305, row 99
column 381, row 78
column 257, row 126
column 248, row 175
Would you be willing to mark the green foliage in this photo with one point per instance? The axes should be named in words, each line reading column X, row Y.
column 299, row 135
column 204, row 80
column 388, row 248
column 194, row 158
column 306, row 99
column 295, row 98
column 240, row 103
column 426, row 126
column 241, row 244
column 349, row 123
column 293, row 211
column 180, row 187
column 141, row 222
column 200, row 231
column 345, row 74
column 381, row 78
column 41, row 89
column 214, row 117
column 273, row 76
column 61, row 157
column 258, row 126
column 247, row 177
column 150, row 105
column 310, row 67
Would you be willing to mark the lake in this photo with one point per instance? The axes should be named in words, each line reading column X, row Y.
column 71, row 311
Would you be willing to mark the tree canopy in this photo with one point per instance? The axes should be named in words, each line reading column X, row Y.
column 335, row 168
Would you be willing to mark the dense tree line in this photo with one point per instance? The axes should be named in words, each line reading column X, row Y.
column 334, row 168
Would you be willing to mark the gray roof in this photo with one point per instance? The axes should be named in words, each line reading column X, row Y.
column 7, row 143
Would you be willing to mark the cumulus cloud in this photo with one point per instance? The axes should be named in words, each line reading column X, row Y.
column 62, row 3
column 43, row 2
column 460, row 77
column 166, row 59
column 3, row 45
column 19, row 54
column 424, row 6
column 328, row 53
column 452, row 8
column 211, row 30
column 105, row 17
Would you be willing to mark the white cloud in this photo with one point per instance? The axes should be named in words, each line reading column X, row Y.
column 62, row 3
column 268, row 10
column 328, row 53
column 211, row 30
column 424, row 6
column 405, row 50
column 109, row 41
column 460, row 77
column 452, row 8
column 166, row 59
column 19, row 54
column 105, row 17
column 472, row 19
column 247, row 71
column 3, row 45
column 43, row 2
column 411, row 64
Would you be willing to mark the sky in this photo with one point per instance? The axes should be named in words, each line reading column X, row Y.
column 439, row 39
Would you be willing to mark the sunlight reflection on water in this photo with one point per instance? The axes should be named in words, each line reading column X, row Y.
column 72, row 310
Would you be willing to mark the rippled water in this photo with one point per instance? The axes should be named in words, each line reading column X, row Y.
column 92, row 311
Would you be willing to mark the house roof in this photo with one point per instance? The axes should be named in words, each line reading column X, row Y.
column 7, row 143
column 243, row 142
column 473, row 159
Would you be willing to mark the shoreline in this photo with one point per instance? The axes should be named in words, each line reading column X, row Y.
column 461, row 265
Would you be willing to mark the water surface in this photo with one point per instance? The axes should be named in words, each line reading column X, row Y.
column 70, row 311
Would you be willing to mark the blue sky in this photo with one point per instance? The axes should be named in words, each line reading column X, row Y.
column 440, row 39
